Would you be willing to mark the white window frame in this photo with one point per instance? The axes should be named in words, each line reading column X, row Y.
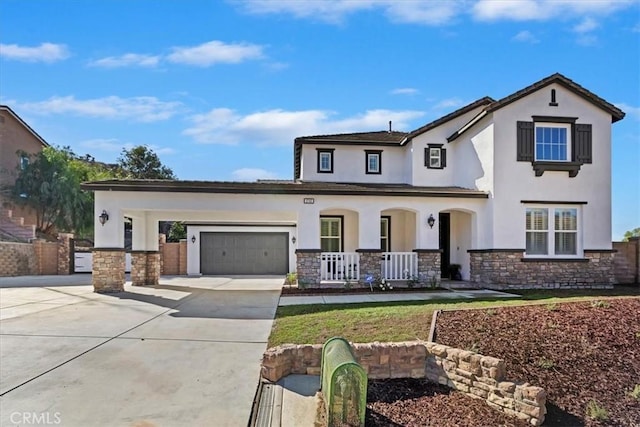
column 551, row 231
column 538, row 125
column 376, row 156
column 24, row 162
column 387, row 239
column 338, row 237
column 435, row 153
column 328, row 155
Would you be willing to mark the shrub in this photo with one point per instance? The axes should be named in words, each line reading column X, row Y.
column 597, row 412
column 635, row 393
column 600, row 304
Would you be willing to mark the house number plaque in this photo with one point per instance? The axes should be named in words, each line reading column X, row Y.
column 309, row 200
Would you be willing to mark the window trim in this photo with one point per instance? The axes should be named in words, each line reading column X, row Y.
column 388, row 238
column 366, row 162
column 24, row 162
column 428, row 157
column 551, row 232
column 552, row 125
column 341, row 219
column 321, row 151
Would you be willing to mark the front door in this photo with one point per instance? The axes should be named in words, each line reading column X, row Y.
column 444, row 222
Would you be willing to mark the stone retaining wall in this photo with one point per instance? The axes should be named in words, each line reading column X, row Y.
column 509, row 269
column 17, row 259
column 481, row 377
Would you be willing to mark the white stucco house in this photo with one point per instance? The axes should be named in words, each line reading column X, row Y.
column 516, row 191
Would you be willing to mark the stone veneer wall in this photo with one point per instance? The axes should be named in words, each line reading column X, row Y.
column 17, row 259
column 65, row 252
column 108, row 270
column 308, row 266
column 145, row 268
column 481, row 377
column 428, row 265
column 370, row 264
column 508, row 269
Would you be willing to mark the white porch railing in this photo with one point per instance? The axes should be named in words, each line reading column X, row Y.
column 339, row 266
column 399, row 265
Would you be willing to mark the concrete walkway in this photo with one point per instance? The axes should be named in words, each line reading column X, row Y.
column 186, row 352
column 391, row 296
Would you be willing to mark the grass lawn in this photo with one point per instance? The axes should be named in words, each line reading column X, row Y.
column 400, row 321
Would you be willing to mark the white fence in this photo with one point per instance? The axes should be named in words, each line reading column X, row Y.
column 339, row 266
column 399, row 265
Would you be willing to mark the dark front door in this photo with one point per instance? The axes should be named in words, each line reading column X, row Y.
column 244, row 253
column 444, row 222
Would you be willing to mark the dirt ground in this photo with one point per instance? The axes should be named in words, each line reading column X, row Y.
column 586, row 355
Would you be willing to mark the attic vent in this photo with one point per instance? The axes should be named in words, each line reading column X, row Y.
column 553, row 102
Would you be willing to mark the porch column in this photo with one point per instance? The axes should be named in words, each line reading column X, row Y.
column 427, row 237
column 428, row 266
column 108, row 253
column 369, row 244
column 308, row 252
column 428, row 248
column 145, row 257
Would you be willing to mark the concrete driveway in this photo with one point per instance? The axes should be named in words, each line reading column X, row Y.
column 184, row 353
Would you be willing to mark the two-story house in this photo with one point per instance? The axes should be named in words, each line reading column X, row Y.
column 16, row 137
column 516, row 191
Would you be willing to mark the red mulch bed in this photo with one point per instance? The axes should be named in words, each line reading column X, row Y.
column 577, row 352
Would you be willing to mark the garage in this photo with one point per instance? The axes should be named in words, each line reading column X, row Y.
column 244, row 253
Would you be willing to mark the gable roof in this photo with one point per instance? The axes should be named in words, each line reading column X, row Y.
column 23, row 123
column 616, row 113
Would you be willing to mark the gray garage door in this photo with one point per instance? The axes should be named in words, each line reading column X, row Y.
column 244, row 253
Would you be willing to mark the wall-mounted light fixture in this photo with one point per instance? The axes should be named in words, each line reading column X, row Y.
column 193, row 238
column 104, row 217
column 293, row 239
column 431, row 220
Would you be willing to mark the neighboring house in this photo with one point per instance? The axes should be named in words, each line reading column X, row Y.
column 516, row 191
column 15, row 136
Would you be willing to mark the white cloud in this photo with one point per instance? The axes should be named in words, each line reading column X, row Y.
column 428, row 12
column 525, row 37
column 141, row 108
column 252, row 174
column 630, row 110
column 216, row 52
column 542, row 10
column 586, row 25
column 448, row 104
column 46, row 52
column 127, row 60
column 280, row 127
column 404, row 91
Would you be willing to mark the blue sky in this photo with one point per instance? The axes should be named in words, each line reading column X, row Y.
column 220, row 89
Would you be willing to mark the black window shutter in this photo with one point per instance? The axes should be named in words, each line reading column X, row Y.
column 582, row 143
column 443, row 157
column 426, row 157
column 525, row 144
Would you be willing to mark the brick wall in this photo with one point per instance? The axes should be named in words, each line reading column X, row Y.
column 481, row 377
column 17, row 259
column 626, row 261
column 46, row 257
column 508, row 269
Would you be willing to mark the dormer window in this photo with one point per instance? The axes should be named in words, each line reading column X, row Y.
column 373, row 160
column 325, row 160
column 435, row 157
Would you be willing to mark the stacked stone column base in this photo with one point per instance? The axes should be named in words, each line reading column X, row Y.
column 145, row 268
column 108, row 270
column 308, row 267
column 370, row 264
column 429, row 266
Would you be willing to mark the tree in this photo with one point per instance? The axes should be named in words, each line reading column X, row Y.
column 631, row 233
column 142, row 163
column 177, row 232
column 50, row 185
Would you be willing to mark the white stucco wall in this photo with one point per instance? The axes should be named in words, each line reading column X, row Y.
column 349, row 164
column 516, row 181
column 423, row 176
